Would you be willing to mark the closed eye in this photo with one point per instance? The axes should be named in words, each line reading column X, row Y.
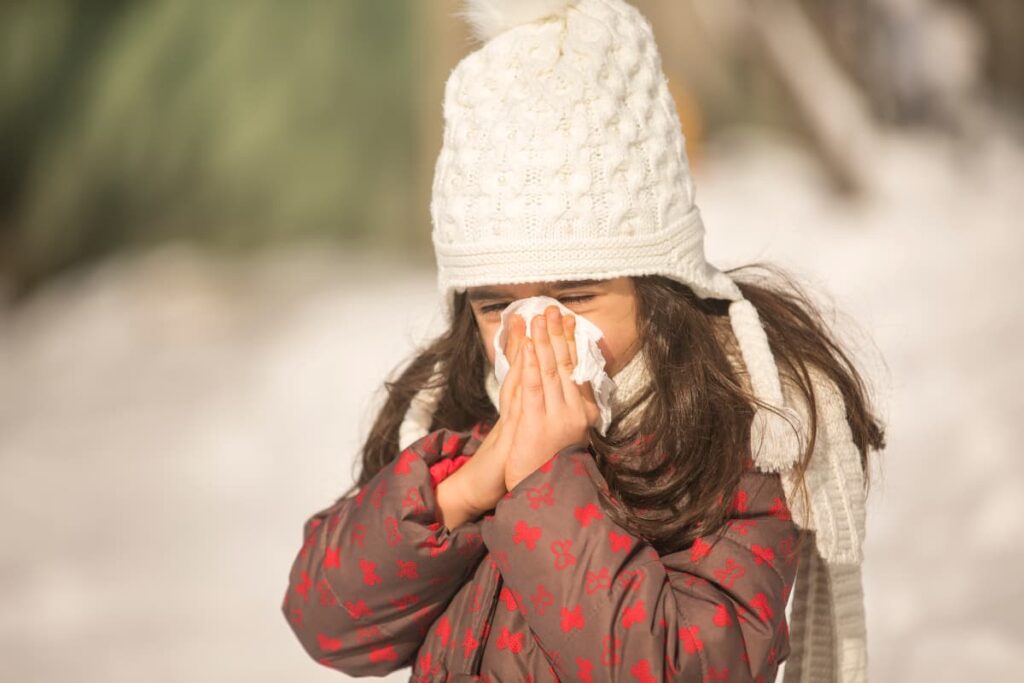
column 565, row 300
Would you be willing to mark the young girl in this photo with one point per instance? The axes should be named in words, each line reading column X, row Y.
column 496, row 534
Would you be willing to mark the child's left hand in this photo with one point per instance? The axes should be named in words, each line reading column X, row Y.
column 552, row 411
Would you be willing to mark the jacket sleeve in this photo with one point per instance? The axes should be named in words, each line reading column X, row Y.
column 603, row 604
column 377, row 568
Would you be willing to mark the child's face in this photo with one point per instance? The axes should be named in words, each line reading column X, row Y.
column 609, row 304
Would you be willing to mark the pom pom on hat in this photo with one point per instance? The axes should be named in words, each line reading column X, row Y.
column 488, row 18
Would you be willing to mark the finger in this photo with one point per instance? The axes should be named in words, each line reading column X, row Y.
column 569, row 326
column 570, row 390
column 516, row 407
column 590, row 403
column 512, row 379
column 532, row 384
column 554, row 395
column 515, row 396
column 515, row 387
column 508, row 432
column 516, row 333
column 585, row 390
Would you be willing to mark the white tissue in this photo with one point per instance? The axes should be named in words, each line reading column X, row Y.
column 590, row 361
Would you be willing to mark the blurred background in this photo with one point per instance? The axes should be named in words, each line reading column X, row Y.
column 215, row 245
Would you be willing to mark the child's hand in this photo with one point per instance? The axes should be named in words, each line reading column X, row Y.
column 482, row 478
column 552, row 412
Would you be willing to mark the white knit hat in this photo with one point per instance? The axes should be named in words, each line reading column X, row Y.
column 563, row 158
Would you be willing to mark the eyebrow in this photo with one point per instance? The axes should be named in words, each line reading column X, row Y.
column 558, row 285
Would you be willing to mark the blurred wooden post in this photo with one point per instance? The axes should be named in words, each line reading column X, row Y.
column 1003, row 21
column 829, row 103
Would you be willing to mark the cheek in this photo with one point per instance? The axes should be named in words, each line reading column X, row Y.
column 620, row 340
column 616, row 346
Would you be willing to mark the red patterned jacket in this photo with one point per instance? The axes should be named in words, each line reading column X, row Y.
column 543, row 588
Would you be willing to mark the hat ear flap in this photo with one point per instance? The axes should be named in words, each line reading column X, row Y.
column 774, row 438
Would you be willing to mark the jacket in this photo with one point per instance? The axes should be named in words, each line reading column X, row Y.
column 544, row 587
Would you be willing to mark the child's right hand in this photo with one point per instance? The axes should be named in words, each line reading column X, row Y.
column 482, row 478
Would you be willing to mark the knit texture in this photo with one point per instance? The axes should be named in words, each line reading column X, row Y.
column 828, row 629
column 563, row 157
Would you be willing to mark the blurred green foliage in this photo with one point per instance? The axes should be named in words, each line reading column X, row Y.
column 235, row 123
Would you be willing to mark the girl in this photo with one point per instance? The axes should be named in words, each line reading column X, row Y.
column 495, row 534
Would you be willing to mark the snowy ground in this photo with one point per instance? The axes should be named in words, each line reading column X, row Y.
column 168, row 420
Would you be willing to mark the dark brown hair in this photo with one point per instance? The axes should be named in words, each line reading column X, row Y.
column 673, row 476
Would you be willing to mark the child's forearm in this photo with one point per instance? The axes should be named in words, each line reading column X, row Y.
column 453, row 508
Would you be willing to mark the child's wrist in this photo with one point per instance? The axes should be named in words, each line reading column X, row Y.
column 461, row 493
column 455, row 507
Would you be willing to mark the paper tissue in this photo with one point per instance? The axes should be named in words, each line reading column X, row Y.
column 590, row 361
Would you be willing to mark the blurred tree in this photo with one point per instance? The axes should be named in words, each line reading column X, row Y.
column 231, row 123
column 45, row 48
